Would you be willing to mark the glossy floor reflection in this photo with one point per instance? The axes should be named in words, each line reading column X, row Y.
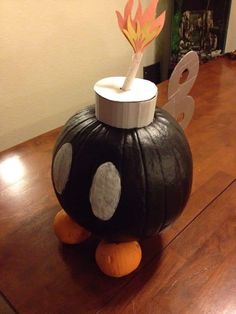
column 12, row 169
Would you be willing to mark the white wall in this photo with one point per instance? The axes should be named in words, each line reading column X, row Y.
column 231, row 35
column 51, row 54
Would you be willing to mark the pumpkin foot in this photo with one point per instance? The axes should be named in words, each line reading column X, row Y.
column 67, row 230
column 118, row 259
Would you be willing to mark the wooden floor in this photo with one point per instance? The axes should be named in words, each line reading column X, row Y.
column 189, row 268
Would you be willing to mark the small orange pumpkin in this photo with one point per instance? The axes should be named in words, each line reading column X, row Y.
column 67, row 230
column 118, row 259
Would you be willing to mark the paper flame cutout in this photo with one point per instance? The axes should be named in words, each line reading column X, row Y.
column 141, row 30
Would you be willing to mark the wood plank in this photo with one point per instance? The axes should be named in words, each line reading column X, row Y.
column 204, row 246
column 24, row 275
column 5, row 307
column 33, row 156
column 218, row 294
column 22, row 200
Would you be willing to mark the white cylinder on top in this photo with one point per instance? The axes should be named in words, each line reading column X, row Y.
column 125, row 109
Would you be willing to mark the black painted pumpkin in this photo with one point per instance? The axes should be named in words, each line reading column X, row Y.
column 150, row 175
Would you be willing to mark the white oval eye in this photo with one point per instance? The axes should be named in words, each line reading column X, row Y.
column 61, row 167
column 105, row 191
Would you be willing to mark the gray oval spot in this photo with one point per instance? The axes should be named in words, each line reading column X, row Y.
column 105, row 191
column 61, row 167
